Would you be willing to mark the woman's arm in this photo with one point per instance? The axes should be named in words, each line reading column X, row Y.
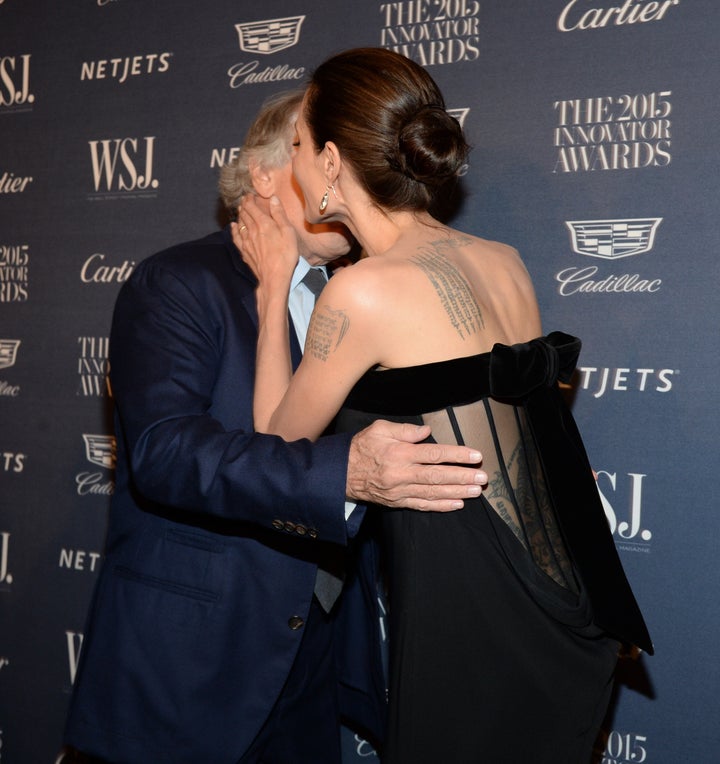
column 268, row 244
column 339, row 344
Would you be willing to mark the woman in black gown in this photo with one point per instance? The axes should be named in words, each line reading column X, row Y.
column 505, row 616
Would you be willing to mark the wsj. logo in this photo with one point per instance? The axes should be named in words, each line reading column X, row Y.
column 269, row 36
column 123, row 165
column 629, row 533
column 74, row 642
column 5, row 574
column 15, row 81
column 101, row 451
column 612, row 239
column 11, row 462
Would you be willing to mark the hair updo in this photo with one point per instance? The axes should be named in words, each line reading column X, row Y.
column 387, row 116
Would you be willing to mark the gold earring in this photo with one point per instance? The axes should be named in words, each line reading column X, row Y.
column 324, row 202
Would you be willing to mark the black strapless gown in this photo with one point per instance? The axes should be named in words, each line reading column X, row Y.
column 504, row 616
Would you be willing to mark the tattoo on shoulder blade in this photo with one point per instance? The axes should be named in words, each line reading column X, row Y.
column 326, row 331
column 452, row 287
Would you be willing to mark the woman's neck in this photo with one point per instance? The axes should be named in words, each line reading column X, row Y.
column 378, row 230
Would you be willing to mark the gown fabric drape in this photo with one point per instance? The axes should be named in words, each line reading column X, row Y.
column 504, row 616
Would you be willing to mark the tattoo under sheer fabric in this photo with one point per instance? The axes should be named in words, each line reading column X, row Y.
column 517, row 491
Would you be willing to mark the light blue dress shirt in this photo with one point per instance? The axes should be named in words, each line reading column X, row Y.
column 301, row 300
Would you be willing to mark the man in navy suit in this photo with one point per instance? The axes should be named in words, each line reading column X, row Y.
column 205, row 643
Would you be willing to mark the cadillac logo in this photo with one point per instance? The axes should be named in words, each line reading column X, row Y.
column 613, row 239
column 100, row 450
column 269, row 36
column 8, row 353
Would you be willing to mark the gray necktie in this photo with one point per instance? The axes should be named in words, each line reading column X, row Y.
column 314, row 280
column 327, row 585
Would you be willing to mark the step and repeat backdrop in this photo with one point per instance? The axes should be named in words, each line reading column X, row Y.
column 595, row 132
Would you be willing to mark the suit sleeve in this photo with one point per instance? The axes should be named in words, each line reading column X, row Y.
column 168, row 343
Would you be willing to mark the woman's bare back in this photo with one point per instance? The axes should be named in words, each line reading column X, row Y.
column 441, row 294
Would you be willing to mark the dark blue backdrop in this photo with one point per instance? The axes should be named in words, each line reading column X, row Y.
column 595, row 133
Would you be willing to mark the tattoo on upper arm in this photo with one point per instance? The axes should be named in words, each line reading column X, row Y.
column 326, row 331
column 452, row 288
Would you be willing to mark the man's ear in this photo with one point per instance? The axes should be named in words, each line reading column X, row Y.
column 263, row 180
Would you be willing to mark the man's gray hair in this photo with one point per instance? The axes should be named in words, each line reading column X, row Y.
column 267, row 144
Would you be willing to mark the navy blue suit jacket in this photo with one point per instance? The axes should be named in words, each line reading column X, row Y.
column 214, row 531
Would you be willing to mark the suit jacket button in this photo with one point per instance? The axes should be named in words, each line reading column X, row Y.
column 295, row 622
column 301, row 530
column 312, row 533
column 289, row 527
column 278, row 525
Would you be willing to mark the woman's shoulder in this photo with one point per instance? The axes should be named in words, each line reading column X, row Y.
column 368, row 272
column 353, row 284
column 501, row 256
column 372, row 292
column 493, row 248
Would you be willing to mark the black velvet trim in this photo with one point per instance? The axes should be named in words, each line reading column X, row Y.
column 419, row 389
column 508, row 372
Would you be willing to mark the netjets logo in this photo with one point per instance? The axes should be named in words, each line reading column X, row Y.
column 269, row 36
column 613, row 239
column 123, row 166
column 8, row 353
column 100, row 450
